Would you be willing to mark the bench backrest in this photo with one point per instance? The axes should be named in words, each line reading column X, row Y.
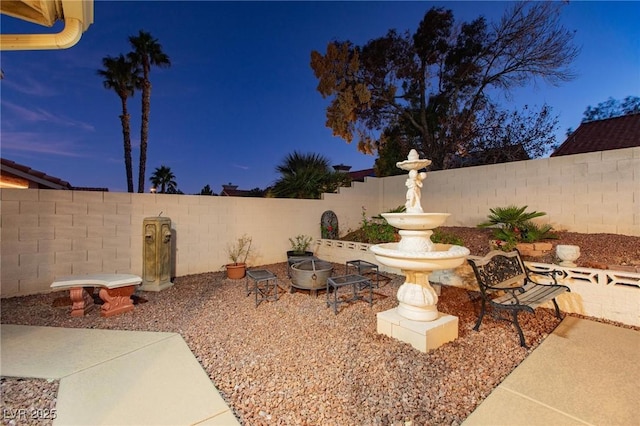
column 498, row 269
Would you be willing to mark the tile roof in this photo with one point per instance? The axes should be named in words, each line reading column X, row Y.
column 12, row 171
column 41, row 179
column 602, row 135
column 359, row 175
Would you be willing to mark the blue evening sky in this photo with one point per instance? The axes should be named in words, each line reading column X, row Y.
column 240, row 94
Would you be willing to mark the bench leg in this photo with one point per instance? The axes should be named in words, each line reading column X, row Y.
column 482, row 311
column 116, row 300
column 82, row 301
column 557, row 308
column 517, row 324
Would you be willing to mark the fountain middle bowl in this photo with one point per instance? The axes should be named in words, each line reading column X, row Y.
column 445, row 256
column 416, row 221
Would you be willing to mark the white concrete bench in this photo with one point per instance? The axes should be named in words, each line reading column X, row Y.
column 115, row 291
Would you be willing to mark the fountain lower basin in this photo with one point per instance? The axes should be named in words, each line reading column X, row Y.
column 444, row 256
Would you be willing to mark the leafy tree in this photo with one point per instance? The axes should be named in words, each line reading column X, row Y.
column 433, row 87
column 122, row 76
column 307, row 176
column 392, row 148
column 174, row 190
column 612, row 108
column 164, row 179
column 146, row 52
column 206, row 190
column 256, row 192
column 494, row 143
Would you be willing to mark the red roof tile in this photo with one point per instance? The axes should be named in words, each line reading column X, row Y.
column 41, row 179
column 602, row 135
column 359, row 175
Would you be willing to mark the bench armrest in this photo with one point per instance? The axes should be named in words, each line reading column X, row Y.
column 551, row 274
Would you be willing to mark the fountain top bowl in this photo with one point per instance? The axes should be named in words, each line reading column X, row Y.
column 413, row 162
column 416, row 221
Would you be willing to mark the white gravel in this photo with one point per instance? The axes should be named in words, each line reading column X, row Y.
column 293, row 362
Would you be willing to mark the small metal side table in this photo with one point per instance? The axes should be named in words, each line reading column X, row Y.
column 357, row 282
column 363, row 267
column 265, row 285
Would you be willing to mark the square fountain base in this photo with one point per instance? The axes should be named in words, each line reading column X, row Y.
column 422, row 335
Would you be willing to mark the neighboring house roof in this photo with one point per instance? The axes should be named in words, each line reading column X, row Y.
column 233, row 191
column 14, row 175
column 359, row 175
column 602, row 135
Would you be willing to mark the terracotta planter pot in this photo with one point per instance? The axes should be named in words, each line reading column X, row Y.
column 236, row 271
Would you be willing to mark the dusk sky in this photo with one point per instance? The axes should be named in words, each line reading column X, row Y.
column 240, row 94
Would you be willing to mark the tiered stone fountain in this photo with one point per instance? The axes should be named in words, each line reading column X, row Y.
column 416, row 320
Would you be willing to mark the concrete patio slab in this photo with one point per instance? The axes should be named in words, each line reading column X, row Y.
column 68, row 350
column 111, row 377
column 159, row 384
column 584, row 371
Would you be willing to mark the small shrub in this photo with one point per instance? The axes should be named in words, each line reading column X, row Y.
column 239, row 251
column 511, row 217
column 532, row 232
column 377, row 230
column 300, row 243
column 512, row 225
column 441, row 237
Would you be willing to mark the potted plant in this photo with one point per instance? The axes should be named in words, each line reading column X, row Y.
column 299, row 245
column 238, row 253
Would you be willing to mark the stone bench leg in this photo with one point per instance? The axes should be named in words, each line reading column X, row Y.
column 81, row 301
column 116, row 300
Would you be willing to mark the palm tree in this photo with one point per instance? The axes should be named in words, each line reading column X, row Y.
column 122, row 76
column 146, row 52
column 164, row 178
column 307, row 176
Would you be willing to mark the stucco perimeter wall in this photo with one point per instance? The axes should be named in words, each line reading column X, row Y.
column 46, row 234
column 593, row 193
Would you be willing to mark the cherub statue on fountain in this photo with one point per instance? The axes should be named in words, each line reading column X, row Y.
column 414, row 182
column 414, row 191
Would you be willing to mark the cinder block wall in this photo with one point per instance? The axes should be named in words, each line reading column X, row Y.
column 47, row 234
column 593, row 193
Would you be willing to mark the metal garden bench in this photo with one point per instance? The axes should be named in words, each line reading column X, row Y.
column 506, row 285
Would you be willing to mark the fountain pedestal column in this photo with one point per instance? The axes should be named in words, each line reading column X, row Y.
column 417, row 300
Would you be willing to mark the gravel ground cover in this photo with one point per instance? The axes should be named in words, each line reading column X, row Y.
column 600, row 251
column 28, row 401
column 295, row 362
